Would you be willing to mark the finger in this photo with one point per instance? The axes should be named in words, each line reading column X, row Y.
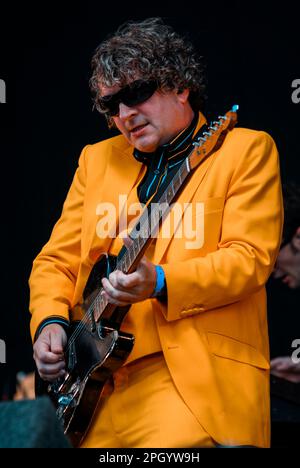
column 113, row 292
column 52, row 377
column 117, row 281
column 56, row 343
column 123, row 282
column 114, row 301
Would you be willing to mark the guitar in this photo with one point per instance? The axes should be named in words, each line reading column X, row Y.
column 97, row 346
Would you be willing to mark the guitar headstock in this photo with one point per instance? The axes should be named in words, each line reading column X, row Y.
column 217, row 130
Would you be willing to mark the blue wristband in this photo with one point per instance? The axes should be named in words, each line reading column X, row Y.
column 160, row 281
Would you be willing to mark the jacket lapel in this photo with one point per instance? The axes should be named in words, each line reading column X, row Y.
column 122, row 173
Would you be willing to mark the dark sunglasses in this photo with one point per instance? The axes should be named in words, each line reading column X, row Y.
column 131, row 95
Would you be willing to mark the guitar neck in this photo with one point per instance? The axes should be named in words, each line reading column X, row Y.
column 147, row 226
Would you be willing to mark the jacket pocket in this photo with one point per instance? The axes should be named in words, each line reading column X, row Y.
column 230, row 348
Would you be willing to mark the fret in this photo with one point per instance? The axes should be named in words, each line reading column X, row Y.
column 154, row 220
column 163, row 198
column 143, row 238
column 97, row 304
column 187, row 165
column 145, row 230
column 129, row 254
column 132, row 255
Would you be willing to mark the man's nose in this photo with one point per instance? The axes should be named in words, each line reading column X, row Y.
column 126, row 112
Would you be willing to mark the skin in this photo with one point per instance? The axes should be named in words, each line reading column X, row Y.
column 284, row 367
column 288, row 262
column 145, row 126
column 288, row 269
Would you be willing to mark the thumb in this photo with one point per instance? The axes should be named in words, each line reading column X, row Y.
column 57, row 343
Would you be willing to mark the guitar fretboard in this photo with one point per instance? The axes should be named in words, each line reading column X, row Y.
column 148, row 224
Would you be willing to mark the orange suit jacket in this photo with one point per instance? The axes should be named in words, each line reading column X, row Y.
column 213, row 329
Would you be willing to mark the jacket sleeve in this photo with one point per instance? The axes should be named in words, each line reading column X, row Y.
column 249, row 242
column 55, row 269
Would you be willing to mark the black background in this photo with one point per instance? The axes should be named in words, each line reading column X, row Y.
column 252, row 53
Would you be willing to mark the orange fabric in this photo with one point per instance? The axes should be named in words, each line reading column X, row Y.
column 213, row 330
column 141, row 323
column 125, row 421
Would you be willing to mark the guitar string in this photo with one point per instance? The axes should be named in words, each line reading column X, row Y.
column 143, row 221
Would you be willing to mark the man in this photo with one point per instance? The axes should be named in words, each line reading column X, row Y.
column 287, row 269
column 198, row 374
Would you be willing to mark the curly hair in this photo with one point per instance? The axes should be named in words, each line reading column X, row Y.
column 291, row 198
column 150, row 50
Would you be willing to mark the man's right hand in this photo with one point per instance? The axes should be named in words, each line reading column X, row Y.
column 48, row 352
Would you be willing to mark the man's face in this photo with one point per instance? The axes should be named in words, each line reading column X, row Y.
column 154, row 122
column 288, row 263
